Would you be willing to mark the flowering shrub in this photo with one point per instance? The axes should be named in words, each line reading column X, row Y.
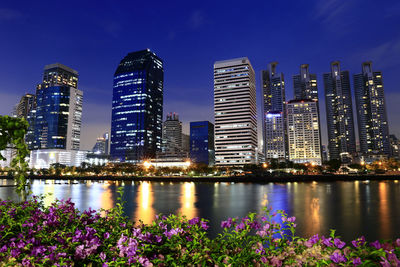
column 32, row 234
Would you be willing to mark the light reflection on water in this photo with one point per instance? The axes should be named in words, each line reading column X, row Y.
column 353, row 208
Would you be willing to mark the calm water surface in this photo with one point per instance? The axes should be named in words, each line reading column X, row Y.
column 352, row 208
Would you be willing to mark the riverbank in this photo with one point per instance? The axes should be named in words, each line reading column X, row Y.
column 234, row 179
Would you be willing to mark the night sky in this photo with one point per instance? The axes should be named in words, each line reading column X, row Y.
column 93, row 36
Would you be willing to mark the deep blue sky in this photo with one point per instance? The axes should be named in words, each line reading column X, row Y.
column 93, row 36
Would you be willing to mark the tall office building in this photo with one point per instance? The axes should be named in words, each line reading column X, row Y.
column 395, row 146
column 303, row 131
column 137, row 107
column 172, row 136
column 25, row 105
column 339, row 113
column 58, row 117
column 101, row 146
column 235, row 111
column 202, row 142
column 372, row 119
column 26, row 108
column 274, row 116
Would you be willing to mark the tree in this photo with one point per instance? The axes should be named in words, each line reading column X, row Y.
column 12, row 135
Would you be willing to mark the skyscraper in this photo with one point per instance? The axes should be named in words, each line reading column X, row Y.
column 25, row 105
column 274, row 116
column 305, row 84
column 372, row 119
column 339, row 113
column 305, row 88
column 172, row 136
column 137, row 107
column 101, row 146
column 235, row 112
column 202, row 142
column 303, row 131
column 57, row 123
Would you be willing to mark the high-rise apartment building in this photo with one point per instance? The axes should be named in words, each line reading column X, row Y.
column 303, row 131
column 305, row 87
column 57, row 123
column 137, row 107
column 172, row 136
column 274, row 114
column 235, row 111
column 202, row 142
column 339, row 113
column 372, row 119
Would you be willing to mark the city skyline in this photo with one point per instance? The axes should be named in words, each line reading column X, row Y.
column 189, row 59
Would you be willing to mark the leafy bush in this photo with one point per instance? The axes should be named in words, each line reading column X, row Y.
column 32, row 234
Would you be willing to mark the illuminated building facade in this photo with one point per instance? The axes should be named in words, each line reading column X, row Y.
column 102, row 144
column 57, row 123
column 274, row 119
column 172, row 137
column 235, row 112
column 372, row 119
column 305, row 87
column 339, row 113
column 137, row 107
column 303, row 131
column 202, row 142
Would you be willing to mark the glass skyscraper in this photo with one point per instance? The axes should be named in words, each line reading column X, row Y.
column 372, row 119
column 339, row 113
column 137, row 107
column 57, row 123
column 202, row 142
column 274, row 115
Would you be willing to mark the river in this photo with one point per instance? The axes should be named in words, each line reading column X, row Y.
column 369, row 208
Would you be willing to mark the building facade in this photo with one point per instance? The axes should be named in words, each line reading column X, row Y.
column 303, row 131
column 172, row 137
column 235, row 112
column 102, row 144
column 274, row 114
column 25, row 105
column 339, row 113
column 373, row 128
column 202, row 142
column 306, row 87
column 137, row 107
column 58, row 115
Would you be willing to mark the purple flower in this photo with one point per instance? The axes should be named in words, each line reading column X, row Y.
column 158, row 238
column 376, row 244
column 106, row 235
column 358, row 242
column 327, row 241
column 398, row 242
column 204, row 225
column 227, row 223
column 384, row 262
column 255, row 225
column 338, row 243
column 102, row 256
column 3, row 249
column 337, row 258
column 240, row 226
column 291, row 219
column 194, row 221
column 356, row 261
column 188, row 238
column 314, row 239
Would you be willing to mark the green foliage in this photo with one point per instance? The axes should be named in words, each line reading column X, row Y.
column 12, row 135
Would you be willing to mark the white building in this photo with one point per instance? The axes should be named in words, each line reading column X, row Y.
column 43, row 158
column 8, row 154
column 235, row 112
column 303, row 132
